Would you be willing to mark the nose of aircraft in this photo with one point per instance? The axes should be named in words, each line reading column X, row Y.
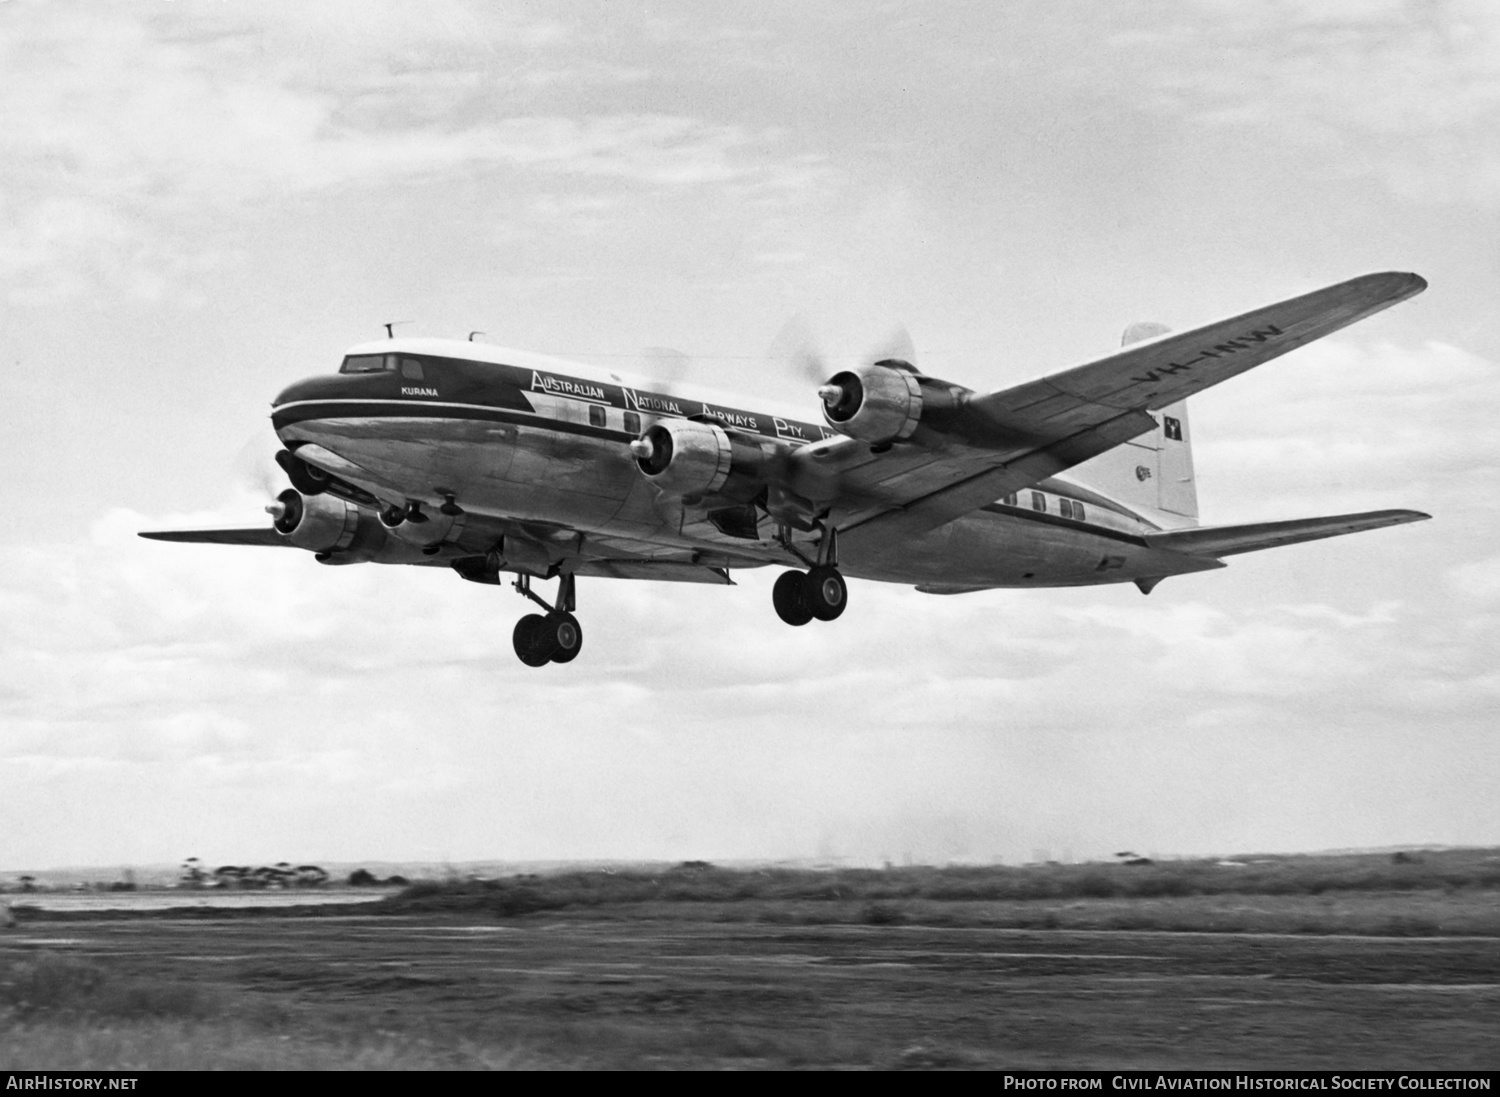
column 315, row 388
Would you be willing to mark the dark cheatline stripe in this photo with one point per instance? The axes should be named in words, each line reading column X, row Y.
column 1067, row 523
column 303, row 413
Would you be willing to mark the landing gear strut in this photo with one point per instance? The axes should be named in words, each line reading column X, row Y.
column 818, row 593
column 555, row 638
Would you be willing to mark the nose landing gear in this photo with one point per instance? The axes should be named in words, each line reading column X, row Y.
column 554, row 638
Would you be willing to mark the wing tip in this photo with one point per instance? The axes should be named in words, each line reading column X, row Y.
column 1397, row 285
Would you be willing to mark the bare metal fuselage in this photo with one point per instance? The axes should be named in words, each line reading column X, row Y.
column 538, row 445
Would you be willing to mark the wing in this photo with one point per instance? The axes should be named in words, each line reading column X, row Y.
column 666, row 571
column 1229, row 540
column 988, row 445
column 261, row 536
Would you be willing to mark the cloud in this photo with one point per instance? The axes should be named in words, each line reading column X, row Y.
column 1409, row 94
column 141, row 144
column 698, row 724
column 1347, row 425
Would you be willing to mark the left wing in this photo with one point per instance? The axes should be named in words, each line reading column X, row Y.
column 969, row 449
column 262, row 536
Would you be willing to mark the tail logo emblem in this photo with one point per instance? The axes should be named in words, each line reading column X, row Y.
column 1142, row 473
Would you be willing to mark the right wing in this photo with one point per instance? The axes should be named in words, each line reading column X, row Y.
column 1003, row 441
column 1229, row 540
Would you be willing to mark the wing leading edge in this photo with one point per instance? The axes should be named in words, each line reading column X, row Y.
column 262, row 536
column 1009, row 439
column 1252, row 537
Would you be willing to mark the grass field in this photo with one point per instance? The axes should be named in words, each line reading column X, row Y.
column 1437, row 893
column 1332, row 963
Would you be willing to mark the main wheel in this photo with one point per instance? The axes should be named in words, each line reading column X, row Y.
column 566, row 635
column 826, row 593
column 531, row 640
column 790, row 597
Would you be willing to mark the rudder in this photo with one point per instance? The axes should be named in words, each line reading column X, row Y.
column 1153, row 472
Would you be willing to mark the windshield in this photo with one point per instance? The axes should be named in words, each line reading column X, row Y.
column 368, row 363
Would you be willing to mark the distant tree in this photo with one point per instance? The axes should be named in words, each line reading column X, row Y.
column 230, row 876
column 28, row 883
column 310, row 876
column 193, row 875
column 399, row 881
column 362, row 878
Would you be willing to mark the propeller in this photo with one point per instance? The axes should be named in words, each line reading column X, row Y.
column 255, row 470
column 665, row 367
column 795, row 345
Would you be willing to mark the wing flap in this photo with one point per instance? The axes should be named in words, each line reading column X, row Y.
column 668, row 571
column 1230, row 540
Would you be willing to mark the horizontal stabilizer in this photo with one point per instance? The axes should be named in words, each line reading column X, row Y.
column 264, row 535
column 1229, row 540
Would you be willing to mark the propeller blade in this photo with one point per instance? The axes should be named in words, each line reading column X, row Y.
column 794, row 344
column 668, row 368
column 897, row 345
column 255, row 467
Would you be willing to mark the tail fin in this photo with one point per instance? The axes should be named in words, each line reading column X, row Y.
column 1153, row 473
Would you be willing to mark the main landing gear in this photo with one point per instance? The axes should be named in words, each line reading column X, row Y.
column 555, row 638
column 818, row 593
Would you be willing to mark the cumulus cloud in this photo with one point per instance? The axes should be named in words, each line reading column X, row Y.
column 932, row 727
column 1350, row 425
column 1408, row 94
column 141, row 136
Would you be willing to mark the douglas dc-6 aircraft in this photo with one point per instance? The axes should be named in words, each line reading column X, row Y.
column 455, row 454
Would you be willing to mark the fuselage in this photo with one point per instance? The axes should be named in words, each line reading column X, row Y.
column 543, row 444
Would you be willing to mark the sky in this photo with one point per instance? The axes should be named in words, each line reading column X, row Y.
column 203, row 201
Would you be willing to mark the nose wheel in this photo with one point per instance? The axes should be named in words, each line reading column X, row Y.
column 555, row 637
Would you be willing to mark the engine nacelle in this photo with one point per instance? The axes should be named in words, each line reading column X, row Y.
column 878, row 404
column 337, row 531
column 432, row 530
column 693, row 459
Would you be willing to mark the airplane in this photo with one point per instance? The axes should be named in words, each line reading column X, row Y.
column 488, row 461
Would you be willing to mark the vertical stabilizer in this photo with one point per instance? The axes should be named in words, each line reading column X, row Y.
column 1154, row 472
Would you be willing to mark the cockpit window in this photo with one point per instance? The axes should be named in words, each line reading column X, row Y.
column 411, row 369
column 368, row 363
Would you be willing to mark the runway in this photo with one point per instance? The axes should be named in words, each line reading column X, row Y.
column 573, row 991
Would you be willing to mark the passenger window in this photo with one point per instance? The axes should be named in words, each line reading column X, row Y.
column 596, row 415
column 1010, row 500
column 1065, row 507
column 1078, row 512
column 1038, row 501
column 367, row 363
column 411, row 369
column 632, row 423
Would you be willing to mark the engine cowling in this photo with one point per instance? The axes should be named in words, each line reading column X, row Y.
column 338, row 531
column 695, row 459
column 878, row 404
column 434, row 529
